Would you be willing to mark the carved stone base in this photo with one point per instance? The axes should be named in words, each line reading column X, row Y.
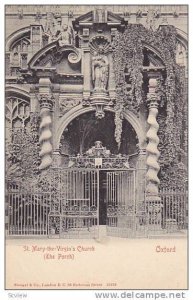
column 154, row 207
column 100, row 95
column 57, row 158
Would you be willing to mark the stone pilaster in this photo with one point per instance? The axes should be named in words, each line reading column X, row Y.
column 34, row 103
column 57, row 159
column 141, row 173
column 86, row 71
column 112, row 90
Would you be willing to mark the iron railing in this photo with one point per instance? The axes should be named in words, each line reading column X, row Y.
column 68, row 207
column 169, row 213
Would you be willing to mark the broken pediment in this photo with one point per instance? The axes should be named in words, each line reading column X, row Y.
column 99, row 16
column 64, row 59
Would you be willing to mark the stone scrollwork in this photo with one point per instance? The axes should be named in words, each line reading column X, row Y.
column 75, row 56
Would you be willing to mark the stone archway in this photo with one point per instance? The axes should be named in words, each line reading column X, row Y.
column 16, row 35
column 121, row 179
column 138, row 128
column 79, row 110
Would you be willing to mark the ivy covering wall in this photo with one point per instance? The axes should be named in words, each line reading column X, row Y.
column 22, row 152
column 128, row 59
column 22, row 159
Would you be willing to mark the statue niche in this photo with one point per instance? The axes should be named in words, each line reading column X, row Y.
column 100, row 70
column 100, row 63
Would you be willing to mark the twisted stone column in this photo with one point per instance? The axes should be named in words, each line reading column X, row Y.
column 153, row 141
column 46, row 103
column 153, row 201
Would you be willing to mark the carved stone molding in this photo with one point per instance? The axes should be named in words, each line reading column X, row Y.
column 67, row 103
column 100, row 101
column 99, row 40
column 152, row 101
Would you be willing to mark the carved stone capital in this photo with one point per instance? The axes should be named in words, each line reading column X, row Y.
column 46, row 101
column 152, row 100
column 153, row 97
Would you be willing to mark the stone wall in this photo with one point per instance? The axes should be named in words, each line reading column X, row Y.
column 19, row 16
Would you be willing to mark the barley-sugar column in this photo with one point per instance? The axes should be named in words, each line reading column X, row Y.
column 153, row 201
column 46, row 104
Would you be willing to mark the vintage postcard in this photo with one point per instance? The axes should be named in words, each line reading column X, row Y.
column 96, row 125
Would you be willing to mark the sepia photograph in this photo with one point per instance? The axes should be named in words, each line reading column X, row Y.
column 96, row 147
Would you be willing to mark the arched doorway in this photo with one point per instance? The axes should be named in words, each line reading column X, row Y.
column 80, row 110
column 82, row 132
column 101, row 176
